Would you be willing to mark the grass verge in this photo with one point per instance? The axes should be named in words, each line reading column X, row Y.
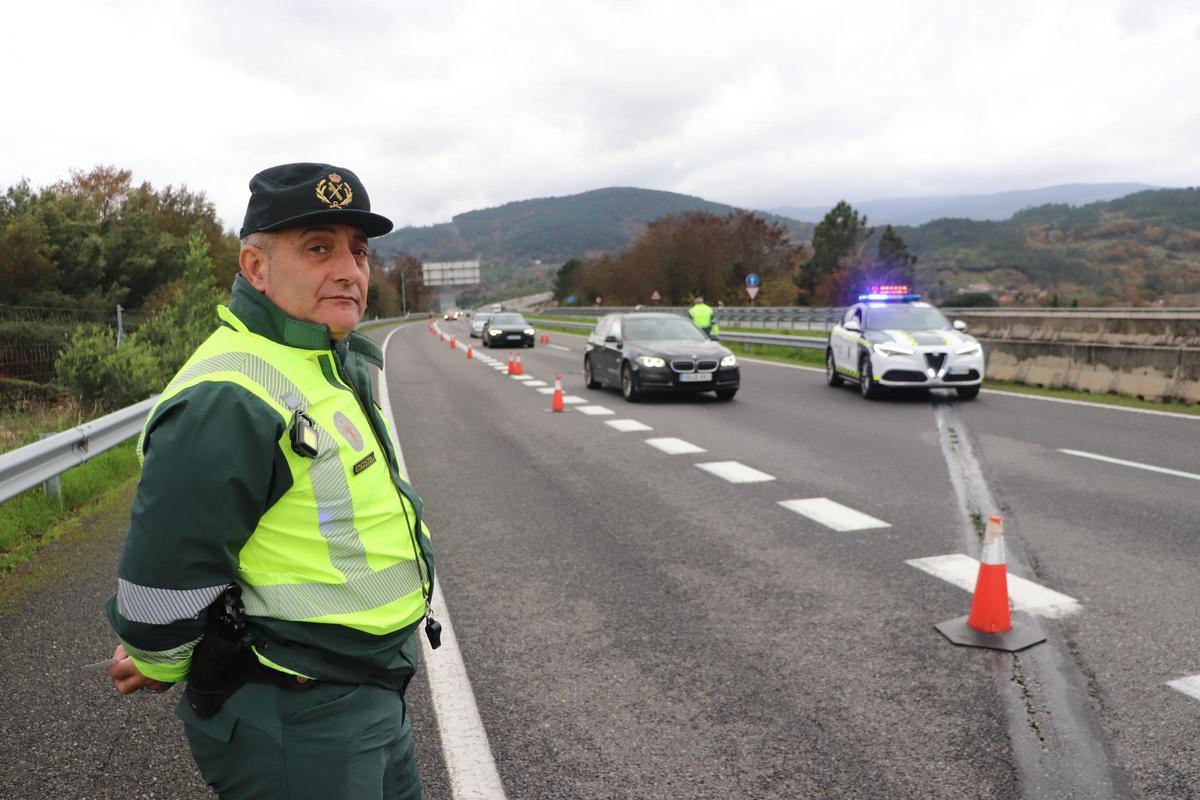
column 29, row 520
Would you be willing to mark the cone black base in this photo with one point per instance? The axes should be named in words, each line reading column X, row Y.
column 1025, row 633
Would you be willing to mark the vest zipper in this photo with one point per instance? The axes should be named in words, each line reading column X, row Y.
column 413, row 530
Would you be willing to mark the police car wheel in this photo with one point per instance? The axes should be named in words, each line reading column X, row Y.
column 866, row 380
column 629, row 385
column 831, row 374
column 589, row 376
column 967, row 392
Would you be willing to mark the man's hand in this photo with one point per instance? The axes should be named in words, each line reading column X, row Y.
column 126, row 677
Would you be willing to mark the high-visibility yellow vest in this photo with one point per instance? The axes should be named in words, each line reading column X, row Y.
column 340, row 546
column 701, row 314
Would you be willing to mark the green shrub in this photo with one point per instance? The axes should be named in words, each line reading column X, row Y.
column 16, row 392
column 98, row 372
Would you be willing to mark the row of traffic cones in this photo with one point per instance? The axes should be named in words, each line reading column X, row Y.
column 515, row 367
column 990, row 624
column 544, row 338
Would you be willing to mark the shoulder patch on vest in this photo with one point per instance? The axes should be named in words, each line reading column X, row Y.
column 348, row 431
column 366, row 462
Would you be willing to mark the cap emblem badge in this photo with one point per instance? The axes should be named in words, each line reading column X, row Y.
column 333, row 192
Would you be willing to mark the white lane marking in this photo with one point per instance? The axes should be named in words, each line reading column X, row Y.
column 465, row 746
column 833, row 515
column 559, row 347
column 1134, row 464
column 548, row 390
column 626, row 425
column 594, row 411
column 535, row 383
column 573, row 400
column 1089, row 404
column 1189, row 686
column 522, row 377
column 674, row 447
column 735, row 472
column 962, row 571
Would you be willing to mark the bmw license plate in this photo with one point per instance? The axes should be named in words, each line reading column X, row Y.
column 695, row 377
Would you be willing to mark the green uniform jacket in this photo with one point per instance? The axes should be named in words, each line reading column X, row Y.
column 214, row 466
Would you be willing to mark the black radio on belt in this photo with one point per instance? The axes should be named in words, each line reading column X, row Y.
column 303, row 435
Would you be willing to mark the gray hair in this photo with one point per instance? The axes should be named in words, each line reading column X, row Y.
column 261, row 239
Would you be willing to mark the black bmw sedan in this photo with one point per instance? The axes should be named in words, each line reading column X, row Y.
column 507, row 329
column 650, row 352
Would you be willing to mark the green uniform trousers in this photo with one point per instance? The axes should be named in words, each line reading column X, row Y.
column 328, row 741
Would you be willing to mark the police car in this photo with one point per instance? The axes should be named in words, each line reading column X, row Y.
column 891, row 338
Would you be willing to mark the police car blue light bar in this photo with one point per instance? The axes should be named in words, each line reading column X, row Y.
column 894, row 292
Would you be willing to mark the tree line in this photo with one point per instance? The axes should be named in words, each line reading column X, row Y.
column 697, row 253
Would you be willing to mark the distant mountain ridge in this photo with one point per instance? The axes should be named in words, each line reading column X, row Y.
column 554, row 229
column 994, row 206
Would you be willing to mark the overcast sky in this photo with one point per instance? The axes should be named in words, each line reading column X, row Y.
column 444, row 107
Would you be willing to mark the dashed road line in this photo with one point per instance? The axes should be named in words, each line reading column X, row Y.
column 572, row 399
column 832, row 514
column 626, row 425
column 522, row 377
column 1189, row 686
column 594, row 411
column 962, row 571
column 547, row 390
column 559, row 347
column 1135, row 464
column 735, row 472
column 535, row 384
column 674, row 447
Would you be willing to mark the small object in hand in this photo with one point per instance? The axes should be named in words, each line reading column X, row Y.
column 100, row 666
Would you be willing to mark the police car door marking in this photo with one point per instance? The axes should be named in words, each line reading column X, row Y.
column 833, row 515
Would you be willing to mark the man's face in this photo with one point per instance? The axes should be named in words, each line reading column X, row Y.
column 317, row 273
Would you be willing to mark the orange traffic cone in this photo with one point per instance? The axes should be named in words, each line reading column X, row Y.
column 990, row 622
column 453, row 345
column 556, row 404
column 470, row 354
column 518, row 368
column 512, row 365
column 441, row 336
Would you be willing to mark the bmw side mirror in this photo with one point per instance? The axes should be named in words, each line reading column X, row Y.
column 960, row 326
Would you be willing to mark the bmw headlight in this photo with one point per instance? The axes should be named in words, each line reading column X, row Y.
column 529, row 331
column 654, row 362
column 494, row 331
column 968, row 349
column 892, row 349
column 729, row 361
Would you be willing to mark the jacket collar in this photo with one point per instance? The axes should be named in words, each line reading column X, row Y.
column 266, row 319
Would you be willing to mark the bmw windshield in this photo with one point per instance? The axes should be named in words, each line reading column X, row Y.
column 883, row 317
column 662, row 330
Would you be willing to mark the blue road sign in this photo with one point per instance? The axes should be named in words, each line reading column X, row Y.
column 753, row 280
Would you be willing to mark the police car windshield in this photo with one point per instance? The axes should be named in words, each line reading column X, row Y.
column 508, row 319
column 662, row 330
column 904, row 317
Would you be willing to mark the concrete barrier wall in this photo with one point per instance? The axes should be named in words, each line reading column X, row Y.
column 1155, row 356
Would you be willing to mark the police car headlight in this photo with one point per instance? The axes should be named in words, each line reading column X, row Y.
column 892, row 349
column 729, row 361
column 529, row 331
column 654, row 362
column 494, row 331
column 969, row 349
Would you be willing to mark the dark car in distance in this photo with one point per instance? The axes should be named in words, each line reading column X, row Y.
column 507, row 329
column 657, row 352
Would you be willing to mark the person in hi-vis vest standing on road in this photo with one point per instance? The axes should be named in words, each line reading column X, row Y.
column 702, row 315
column 276, row 559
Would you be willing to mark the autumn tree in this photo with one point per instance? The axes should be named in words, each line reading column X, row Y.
column 836, row 265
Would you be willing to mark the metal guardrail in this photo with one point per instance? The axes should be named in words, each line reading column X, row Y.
column 731, row 336
column 26, row 467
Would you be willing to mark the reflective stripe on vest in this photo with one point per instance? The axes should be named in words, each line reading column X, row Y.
column 348, row 591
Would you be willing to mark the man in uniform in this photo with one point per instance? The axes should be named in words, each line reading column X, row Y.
column 276, row 559
column 702, row 315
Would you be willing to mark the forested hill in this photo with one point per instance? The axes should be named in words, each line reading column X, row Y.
column 1138, row 248
column 554, row 229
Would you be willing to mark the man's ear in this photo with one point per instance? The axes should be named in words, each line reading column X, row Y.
column 254, row 265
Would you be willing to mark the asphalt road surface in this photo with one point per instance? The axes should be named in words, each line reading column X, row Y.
column 638, row 618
